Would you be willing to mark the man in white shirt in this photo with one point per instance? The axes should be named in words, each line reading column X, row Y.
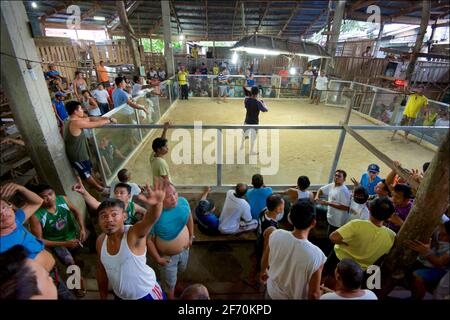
column 321, row 85
column 291, row 265
column 306, row 82
column 338, row 201
column 236, row 215
column 103, row 99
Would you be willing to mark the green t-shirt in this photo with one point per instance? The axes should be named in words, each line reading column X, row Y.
column 132, row 219
column 159, row 166
column 60, row 225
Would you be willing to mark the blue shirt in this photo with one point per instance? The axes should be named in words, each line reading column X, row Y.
column 60, row 109
column 119, row 97
column 257, row 199
column 21, row 236
column 369, row 186
column 250, row 82
column 53, row 74
column 209, row 221
column 172, row 221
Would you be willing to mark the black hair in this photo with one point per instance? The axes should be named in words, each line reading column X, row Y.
column 303, row 182
column 41, row 188
column 343, row 173
column 405, row 190
column 77, row 73
column 255, row 91
column 135, row 79
column 17, row 279
column 381, row 208
column 123, row 175
column 158, row 143
column 364, row 194
column 385, row 187
column 241, row 189
column 425, row 166
column 119, row 80
column 273, row 201
column 302, row 214
column 84, row 91
column 72, row 106
column 110, row 203
column 123, row 185
column 447, row 227
column 257, row 180
column 352, row 275
column 195, row 292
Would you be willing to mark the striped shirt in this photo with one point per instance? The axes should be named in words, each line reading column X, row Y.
column 222, row 77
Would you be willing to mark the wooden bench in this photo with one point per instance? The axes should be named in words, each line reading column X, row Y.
column 239, row 237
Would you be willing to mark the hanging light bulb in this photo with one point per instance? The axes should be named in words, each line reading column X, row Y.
column 234, row 59
column 181, row 37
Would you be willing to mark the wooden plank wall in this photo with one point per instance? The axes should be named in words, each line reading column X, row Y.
column 348, row 68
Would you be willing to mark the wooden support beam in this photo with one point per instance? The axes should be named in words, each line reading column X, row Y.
column 114, row 22
column 61, row 7
column 155, row 26
column 297, row 6
column 314, row 22
column 406, row 11
column 129, row 35
column 91, row 12
column 234, row 18
column 384, row 158
column 174, row 12
column 263, row 17
column 206, row 13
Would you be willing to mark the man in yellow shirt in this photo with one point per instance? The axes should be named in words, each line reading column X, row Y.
column 194, row 52
column 215, row 69
column 159, row 166
column 182, row 81
column 416, row 102
column 102, row 75
column 363, row 241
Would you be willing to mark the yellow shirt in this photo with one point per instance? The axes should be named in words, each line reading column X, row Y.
column 366, row 242
column 216, row 70
column 182, row 77
column 159, row 166
column 415, row 103
column 194, row 52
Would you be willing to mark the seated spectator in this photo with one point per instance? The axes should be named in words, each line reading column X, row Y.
column 349, row 279
column 300, row 192
column 54, row 74
column 122, row 192
column 257, row 195
column 208, row 222
column 370, row 179
column 12, row 230
column 402, row 198
column 358, row 204
column 195, row 291
column 161, row 74
column 102, row 97
column 152, row 73
column 59, row 224
column 22, row 278
column 110, row 155
column 434, row 261
column 236, row 214
column 137, row 86
column 124, row 176
column 170, row 239
column 89, row 104
column 292, row 265
column 60, row 109
column 442, row 119
column 363, row 241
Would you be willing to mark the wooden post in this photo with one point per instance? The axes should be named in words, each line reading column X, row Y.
column 430, row 203
column 419, row 40
column 129, row 36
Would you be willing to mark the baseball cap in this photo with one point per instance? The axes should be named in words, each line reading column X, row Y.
column 204, row 206
column 373, row 168
column 60, row 94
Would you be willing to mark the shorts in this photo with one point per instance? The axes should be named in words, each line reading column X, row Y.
column 65, row 255
column 316, row 93
column 431, row 276
column 223, row 90
column 407, row 121
column 156, row 294
column 83, row 168
column 168, row 273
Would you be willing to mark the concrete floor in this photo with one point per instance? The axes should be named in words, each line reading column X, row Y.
column 301, row 152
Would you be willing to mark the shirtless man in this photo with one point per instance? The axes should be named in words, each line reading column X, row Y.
column 79, row 85
column 170, row 239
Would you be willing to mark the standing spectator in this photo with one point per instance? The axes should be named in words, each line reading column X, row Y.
column 137, row 86
column 59, row 224
column 257, row 196
column 203, row 69
column 338, row 201
column 89, row 104
column 102, row 75
column 249, row 80
column 170, row 239
column 79, row 85
column 158, row 164
column 370, row 179
column 306, row 83
column 402, row 198
column 294, row 264
column 152, row 73
column 207, row 220
column 363, row 241
column 236, row 215
column 124, row 176
column 358, row 205
column 161, row 74
column 222, row 83
column 103, row 99
column 182, row 81
column 75, row 141
column 300, row 192
column 120, row 96
column 321, row 84
column 367, row 53
column 349, row 278
column 215, row 69
column 60, row 110
column 194, row 52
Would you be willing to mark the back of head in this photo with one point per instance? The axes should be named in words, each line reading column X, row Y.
column 241, row 189
column 17, row 279
column 360, row 195
column 118, row 80
column 72, row 106
column 351, row 274
column 257, row 181
column 255, row 91
column 135, row 79
column 302, row 214
column 195, row 292
column 273, row 201
column 405, row 190
column 381, row 208
column 158, row 143
column 303, row 182
column 123, row 175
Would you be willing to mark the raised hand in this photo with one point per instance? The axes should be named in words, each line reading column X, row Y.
column 207, row 189
column 355, row 182
column 9, row 189
column 78, row 187
column 167, row 124
column 155, row 195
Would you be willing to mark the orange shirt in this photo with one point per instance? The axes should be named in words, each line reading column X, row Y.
column 102, row 74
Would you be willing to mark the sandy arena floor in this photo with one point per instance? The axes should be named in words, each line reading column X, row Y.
column 301, row 152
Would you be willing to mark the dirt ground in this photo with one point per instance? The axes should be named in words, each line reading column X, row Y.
column 301, row 152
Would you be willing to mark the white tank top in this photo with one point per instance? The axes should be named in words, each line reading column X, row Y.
column 130, row 276
column 303, row 194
